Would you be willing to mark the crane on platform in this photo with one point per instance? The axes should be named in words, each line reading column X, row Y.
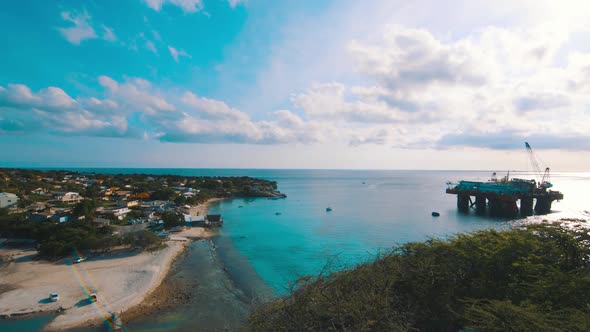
column 545, row 179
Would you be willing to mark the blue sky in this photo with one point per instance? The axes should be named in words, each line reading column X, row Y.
column 294, row 84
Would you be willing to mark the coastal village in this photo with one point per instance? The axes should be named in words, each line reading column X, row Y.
column 61, row 231
column 119, row 199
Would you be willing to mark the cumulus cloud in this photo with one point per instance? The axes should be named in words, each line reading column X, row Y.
column 82, row 28
column 53, row 110
column 415, row 57
column 135, row 94
column 188, row 6
column 176, row 54
column 424, row 92
column 412, row 89
column 167, row 115
column 211, row 121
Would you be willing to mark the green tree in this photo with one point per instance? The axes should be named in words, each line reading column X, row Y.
column 92, row 191
column 163, row 194
column 172, row 219
column 85, row 208
column 144, row 239
column 180, row 200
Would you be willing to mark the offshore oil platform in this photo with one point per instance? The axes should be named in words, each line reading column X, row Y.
column 501, row 195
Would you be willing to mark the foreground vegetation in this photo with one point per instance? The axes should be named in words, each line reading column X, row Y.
column 535, row 279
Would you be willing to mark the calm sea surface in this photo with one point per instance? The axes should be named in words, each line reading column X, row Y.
column 265, row 245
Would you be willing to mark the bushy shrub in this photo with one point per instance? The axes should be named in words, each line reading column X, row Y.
column 536, row 279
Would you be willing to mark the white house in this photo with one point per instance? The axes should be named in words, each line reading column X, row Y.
column 117, row 212
column 39, row 191
column 69, row 197
column 8, row 200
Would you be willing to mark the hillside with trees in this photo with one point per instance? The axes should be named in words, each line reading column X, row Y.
column 535, row 279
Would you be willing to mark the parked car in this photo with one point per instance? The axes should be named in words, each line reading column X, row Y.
column 54, row 297
column 80, row 259
column 92, row 297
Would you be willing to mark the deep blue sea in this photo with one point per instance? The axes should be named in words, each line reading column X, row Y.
column 266, row 244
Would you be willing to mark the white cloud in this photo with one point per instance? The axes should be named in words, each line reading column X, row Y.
column 135, row 94
column 176, row 54
column 414, row 56
column 488, row 84
column 165, row 115
column 405, row 87
column 53, row 110
column 151, row 47
column 188, row 6
column 108, row 34
column 83, row 29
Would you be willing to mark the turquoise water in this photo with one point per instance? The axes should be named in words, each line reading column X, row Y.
column 265, row 245
column 371, row 212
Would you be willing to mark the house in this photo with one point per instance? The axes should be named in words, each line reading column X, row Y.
column 69, row 197
column 37, row 206
column 122, row 194
column 59, row 217
column 38, row 191
column 128, row 203
column 8, row 200
column 194, row 220
column 117, row 212
column 142, row 196
column 53, row 214
column 133, row 203
column 213, row 220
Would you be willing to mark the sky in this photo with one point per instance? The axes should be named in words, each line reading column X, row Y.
column 380, row 84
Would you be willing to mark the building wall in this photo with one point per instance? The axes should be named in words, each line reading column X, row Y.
column 8, row 201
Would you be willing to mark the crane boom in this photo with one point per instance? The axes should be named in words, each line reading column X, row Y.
column 543, row 178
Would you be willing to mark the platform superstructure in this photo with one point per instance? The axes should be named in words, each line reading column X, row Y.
column 501, row 196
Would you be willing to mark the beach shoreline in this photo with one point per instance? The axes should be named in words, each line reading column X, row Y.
column 122, row 280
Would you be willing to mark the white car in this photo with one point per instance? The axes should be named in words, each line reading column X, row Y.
column 54, row 297
column 80, row 259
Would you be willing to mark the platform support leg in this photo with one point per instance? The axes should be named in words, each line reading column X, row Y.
column 463, row 203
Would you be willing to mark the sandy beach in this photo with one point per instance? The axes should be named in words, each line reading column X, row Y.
column 121, row 279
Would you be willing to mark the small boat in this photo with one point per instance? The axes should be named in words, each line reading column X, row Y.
column 435, row 214
column 328, row 209
column 278, row 213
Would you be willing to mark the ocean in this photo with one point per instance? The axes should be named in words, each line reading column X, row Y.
column 265, row 245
